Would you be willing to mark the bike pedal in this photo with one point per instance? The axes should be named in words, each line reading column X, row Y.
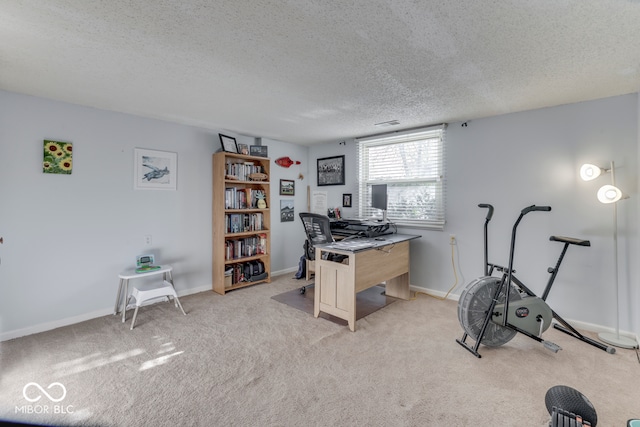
column 551, row 346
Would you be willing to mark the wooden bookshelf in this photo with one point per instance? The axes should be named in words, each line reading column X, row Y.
column 241, row 229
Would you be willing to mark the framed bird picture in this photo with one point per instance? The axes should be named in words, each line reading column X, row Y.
column 155, row 170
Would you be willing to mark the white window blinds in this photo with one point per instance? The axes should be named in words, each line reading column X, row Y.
column 412, row 164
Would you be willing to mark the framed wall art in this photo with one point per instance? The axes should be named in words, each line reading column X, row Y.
column 58, row 157
column 155, row 170
column 259, row 150
column 346, row 200
column 228, row 143
column 287, row 187
column 331, row 171
column 287, row 211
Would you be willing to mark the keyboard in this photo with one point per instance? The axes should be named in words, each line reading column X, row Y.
column 354, row 221
column 345, row 232
column 352, row 245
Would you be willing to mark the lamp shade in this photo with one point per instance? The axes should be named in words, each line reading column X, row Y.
column 589, row 172
column 610, row 194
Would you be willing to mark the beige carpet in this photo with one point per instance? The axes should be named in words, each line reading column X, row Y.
column 245, row 359
column 367, row 302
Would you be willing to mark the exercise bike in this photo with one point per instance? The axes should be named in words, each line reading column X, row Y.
column 491, row 319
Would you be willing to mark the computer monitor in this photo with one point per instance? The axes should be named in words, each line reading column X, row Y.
column 379, row 199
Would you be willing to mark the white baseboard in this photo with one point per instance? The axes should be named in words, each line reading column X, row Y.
column 598, row 328
column 285, row 271
column 439, row 294
column 197, row 290
column 47, row 326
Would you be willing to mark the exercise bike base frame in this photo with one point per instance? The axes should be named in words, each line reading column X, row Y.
column 572, row 332
column 473, row 350
column 564, row 326
column 509, row 280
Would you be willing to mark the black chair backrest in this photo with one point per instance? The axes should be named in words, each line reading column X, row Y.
column 318, row 229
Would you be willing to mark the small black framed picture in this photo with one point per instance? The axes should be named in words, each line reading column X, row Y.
column 287, row 187
column 331, row 171
column 228, row 143
column 287, row 211
column 346, row 200
column 258, row 150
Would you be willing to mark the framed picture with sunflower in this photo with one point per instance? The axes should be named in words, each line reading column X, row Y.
column 58, row 157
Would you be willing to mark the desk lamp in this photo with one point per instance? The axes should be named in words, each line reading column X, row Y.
column 610, row 194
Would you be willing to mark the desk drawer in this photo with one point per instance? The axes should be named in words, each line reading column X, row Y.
column 377, row 265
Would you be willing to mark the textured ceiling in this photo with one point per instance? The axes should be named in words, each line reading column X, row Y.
column 308, row 71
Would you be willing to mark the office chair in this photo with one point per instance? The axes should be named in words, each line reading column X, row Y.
column 318, row 229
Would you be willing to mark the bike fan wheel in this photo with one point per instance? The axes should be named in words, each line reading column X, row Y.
column 472, row 311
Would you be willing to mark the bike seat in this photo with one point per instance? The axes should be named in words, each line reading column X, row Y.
column 570, row 240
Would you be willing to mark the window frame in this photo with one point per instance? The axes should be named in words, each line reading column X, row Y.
column 438, row 180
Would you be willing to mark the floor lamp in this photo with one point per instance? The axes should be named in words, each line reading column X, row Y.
column 610, row 194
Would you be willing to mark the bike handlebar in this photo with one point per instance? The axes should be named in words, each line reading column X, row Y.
column 535, row 208
column 490, row 213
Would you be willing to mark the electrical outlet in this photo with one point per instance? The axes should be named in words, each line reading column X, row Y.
column 452, row 239
column 147, row 239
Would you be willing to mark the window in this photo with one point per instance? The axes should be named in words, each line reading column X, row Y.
column 412, row 165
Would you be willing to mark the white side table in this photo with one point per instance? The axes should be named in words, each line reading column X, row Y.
column 127, row 275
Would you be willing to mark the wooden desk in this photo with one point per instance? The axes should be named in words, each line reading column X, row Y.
column 336, row 284
column 310, row 267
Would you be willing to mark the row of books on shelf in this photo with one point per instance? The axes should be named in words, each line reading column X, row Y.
column 246, row 247
column 242, row 198
column 241, row 171
column 239, row 223
column 250, row 271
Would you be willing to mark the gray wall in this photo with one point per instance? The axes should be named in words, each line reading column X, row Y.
column 533, row 157
column 287, row 237
column 67, row 237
